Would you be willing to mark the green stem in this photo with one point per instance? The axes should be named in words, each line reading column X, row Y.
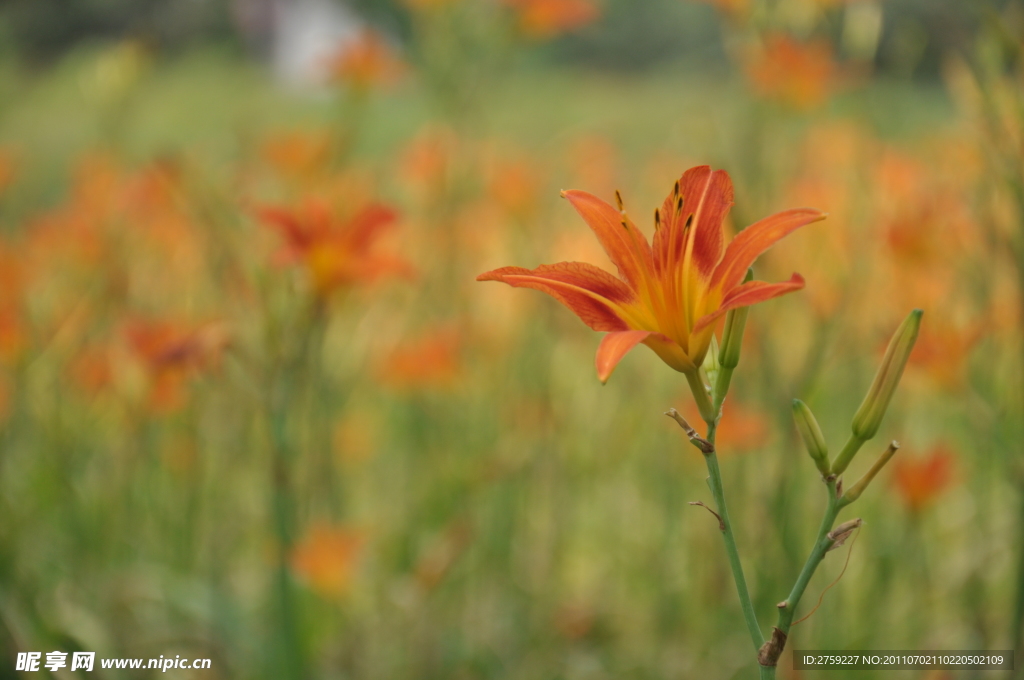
column 1017, row 624
column 721, row 388
column 821, row 545
column 853, row 445
column 292, row 658
column 703, row 399
column 715, row 475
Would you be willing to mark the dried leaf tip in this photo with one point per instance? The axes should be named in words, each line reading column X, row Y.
column 842, row 532
column 704, row 445
column 721, row 522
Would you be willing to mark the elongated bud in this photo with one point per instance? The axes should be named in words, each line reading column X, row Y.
column 810, row 432
column 869, row 415
column 732, row 334
column 876, row 402
column 729, row 353
column 712, row 361
column 857, row 489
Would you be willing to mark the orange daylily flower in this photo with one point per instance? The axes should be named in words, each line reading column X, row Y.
column 796, row 74
column 366, row 61
column 170, row 353
column 733, row 8
column 944, row 349
column 432, row 360
column 668, row 296
column 326, row 558
column 920, row 480
column 300, row 156
column 335, row 252
column 548, row 18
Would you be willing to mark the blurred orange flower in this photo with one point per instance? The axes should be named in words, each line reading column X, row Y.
column 943, row 350
column 744, row 427
column 91, row 369
column 428, row 161
column 799, row 75
column 298, row 155
column 325, row 558
column 170, row 353
column 669, row 296
column 365, row 62
column 12, row 335
column 335, row 252
column 513, row 186
column 432, row 360
column 732, row 8
column 548, row 18
column 919, row 481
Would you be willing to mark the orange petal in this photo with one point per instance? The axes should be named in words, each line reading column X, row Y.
column 706, row 198
column 591, row 293
column 626, row 246
column 754, row 240
column 750, row 294
column 367, row 224
column 286, row 223
column 613, row 347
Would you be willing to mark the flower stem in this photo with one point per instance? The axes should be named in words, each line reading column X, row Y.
column 703, row 399
column 715, row 475
column 821, row 545
column 292, row 657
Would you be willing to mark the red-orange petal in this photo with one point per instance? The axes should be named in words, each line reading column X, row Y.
column 613, row 347
column 286, row 223
column 368, row 223
column 591, row 293
column 754, row 240
column 706, row 197
column 750, row 294
column 626, row 246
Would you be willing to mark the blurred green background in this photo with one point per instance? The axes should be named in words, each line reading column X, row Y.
column 256, row 409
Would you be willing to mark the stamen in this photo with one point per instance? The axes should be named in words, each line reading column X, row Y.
column 657, row 219
column 675, row 190
column 679, row 204
column 618, row 200
column 689, row 221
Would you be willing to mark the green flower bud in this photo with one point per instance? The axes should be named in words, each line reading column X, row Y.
column 732, row 334
column 869, row 415
column 810, row 432
column 712, row 363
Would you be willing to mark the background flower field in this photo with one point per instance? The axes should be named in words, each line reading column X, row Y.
column 254, row 406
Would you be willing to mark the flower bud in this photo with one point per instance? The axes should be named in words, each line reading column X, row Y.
column 732, row 334
column 810, row 432
column 875, row 404
column 712, row 364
